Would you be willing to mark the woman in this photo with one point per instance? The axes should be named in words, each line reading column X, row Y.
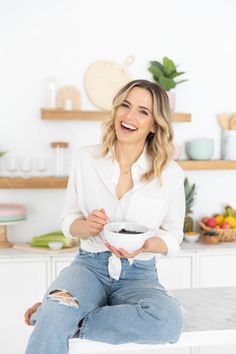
column 131, row 177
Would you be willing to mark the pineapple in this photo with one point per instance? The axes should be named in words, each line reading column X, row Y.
column 190, row 193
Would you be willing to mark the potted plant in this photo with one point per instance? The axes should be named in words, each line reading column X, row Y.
column 165, row 75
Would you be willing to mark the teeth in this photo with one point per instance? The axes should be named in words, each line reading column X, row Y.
column 129, row 126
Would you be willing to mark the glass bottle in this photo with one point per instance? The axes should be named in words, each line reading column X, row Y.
column 59, row 157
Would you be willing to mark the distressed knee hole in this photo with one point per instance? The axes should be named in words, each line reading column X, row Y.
column 64, row 298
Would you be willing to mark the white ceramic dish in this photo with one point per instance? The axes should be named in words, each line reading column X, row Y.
column 192, row 237
column 55, row 245
column 129, row 242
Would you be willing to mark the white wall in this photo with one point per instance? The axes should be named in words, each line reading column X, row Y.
column 62, row 37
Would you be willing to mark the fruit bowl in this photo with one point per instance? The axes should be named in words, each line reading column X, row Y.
column 191, row 236
column 226, row 235
column 126, row 235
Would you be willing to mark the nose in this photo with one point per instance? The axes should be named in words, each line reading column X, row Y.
column 130, row 113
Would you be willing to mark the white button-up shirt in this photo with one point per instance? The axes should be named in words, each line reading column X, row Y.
column 160, row 207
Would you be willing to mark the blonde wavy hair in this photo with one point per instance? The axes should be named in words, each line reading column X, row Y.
column 159, row 144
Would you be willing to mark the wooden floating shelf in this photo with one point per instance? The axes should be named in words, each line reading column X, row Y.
column 61, row 182
column 207, row 164
column 61, row 114
column 33, row 182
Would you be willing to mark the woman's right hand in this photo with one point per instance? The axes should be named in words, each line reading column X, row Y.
column 92, row 226
column 30, row 312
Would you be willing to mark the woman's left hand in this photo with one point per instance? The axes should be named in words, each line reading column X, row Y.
column 153, row 245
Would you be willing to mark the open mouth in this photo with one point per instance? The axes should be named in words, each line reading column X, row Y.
column 128, row 127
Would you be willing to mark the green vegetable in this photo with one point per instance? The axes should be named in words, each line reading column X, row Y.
column 2, row 153
column 42, row 241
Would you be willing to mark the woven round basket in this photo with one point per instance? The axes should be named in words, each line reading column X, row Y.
column 226, row 235
column 103, row 79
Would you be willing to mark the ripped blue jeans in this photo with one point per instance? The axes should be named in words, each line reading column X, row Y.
column 134, row 309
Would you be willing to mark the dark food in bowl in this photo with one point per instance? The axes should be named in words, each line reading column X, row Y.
column 124, row 231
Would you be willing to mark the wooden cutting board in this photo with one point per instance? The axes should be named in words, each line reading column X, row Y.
column 103, row 79
column 233, row 122
column 28, row 247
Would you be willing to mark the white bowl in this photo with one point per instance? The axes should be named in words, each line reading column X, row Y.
column 128, row 241
column 192, row 237
column 55, row 245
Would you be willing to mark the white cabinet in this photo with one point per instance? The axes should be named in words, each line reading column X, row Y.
column 161, row 351
column 217, row 270
column 23, row 282
column 59, row 263
column 25, row 277
column 220, row 349
column 175, row 273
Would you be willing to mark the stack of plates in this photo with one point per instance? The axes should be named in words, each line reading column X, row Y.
column 12, row 212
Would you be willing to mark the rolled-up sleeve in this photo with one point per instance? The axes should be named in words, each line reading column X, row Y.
column 71, row 210
column 171, row 229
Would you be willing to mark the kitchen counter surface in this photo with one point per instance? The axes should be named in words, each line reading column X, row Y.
column 186, row 249
column 201, row 247
column 200, row 308
column 209, row 319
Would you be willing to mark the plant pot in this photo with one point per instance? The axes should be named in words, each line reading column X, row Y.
column 228, row 147
column 200, row 149
column 171, row 96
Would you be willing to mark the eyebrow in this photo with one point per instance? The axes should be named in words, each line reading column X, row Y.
column 139, row 106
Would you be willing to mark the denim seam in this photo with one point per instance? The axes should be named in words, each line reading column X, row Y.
column 124, row 299
column 85, row 320
column 83, row 327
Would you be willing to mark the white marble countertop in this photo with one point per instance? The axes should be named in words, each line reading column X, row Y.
column 209, row 319
column 16, row 253
column 186, row 249
column 208, row 309
column 201, row 247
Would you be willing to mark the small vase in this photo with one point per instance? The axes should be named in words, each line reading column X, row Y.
column 171, row 96
column 177, row 151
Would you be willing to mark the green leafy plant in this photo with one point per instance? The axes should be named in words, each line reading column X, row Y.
column 190, row 195
column 165, row 73
column 2, row 153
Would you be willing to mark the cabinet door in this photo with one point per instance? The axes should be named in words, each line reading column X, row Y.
column 160, row 351
column 217, row 270
column 220, row 349
column 22, row 284
column 175, row 273
column 59, row 263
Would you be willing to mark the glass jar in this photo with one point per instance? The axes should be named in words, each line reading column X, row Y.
column 59, row 158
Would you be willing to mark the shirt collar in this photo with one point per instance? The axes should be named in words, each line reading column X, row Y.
column 142, row 161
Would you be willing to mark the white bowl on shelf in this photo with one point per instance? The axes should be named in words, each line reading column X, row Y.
column 128, row 241
column 191, row 236
column 55, row 245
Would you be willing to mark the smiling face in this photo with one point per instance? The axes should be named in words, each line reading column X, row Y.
column 134, row 118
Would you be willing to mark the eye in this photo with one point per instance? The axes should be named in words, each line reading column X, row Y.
column 124, row 104
column 142, row 111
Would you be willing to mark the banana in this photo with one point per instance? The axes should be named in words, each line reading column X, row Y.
column 229, row 211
